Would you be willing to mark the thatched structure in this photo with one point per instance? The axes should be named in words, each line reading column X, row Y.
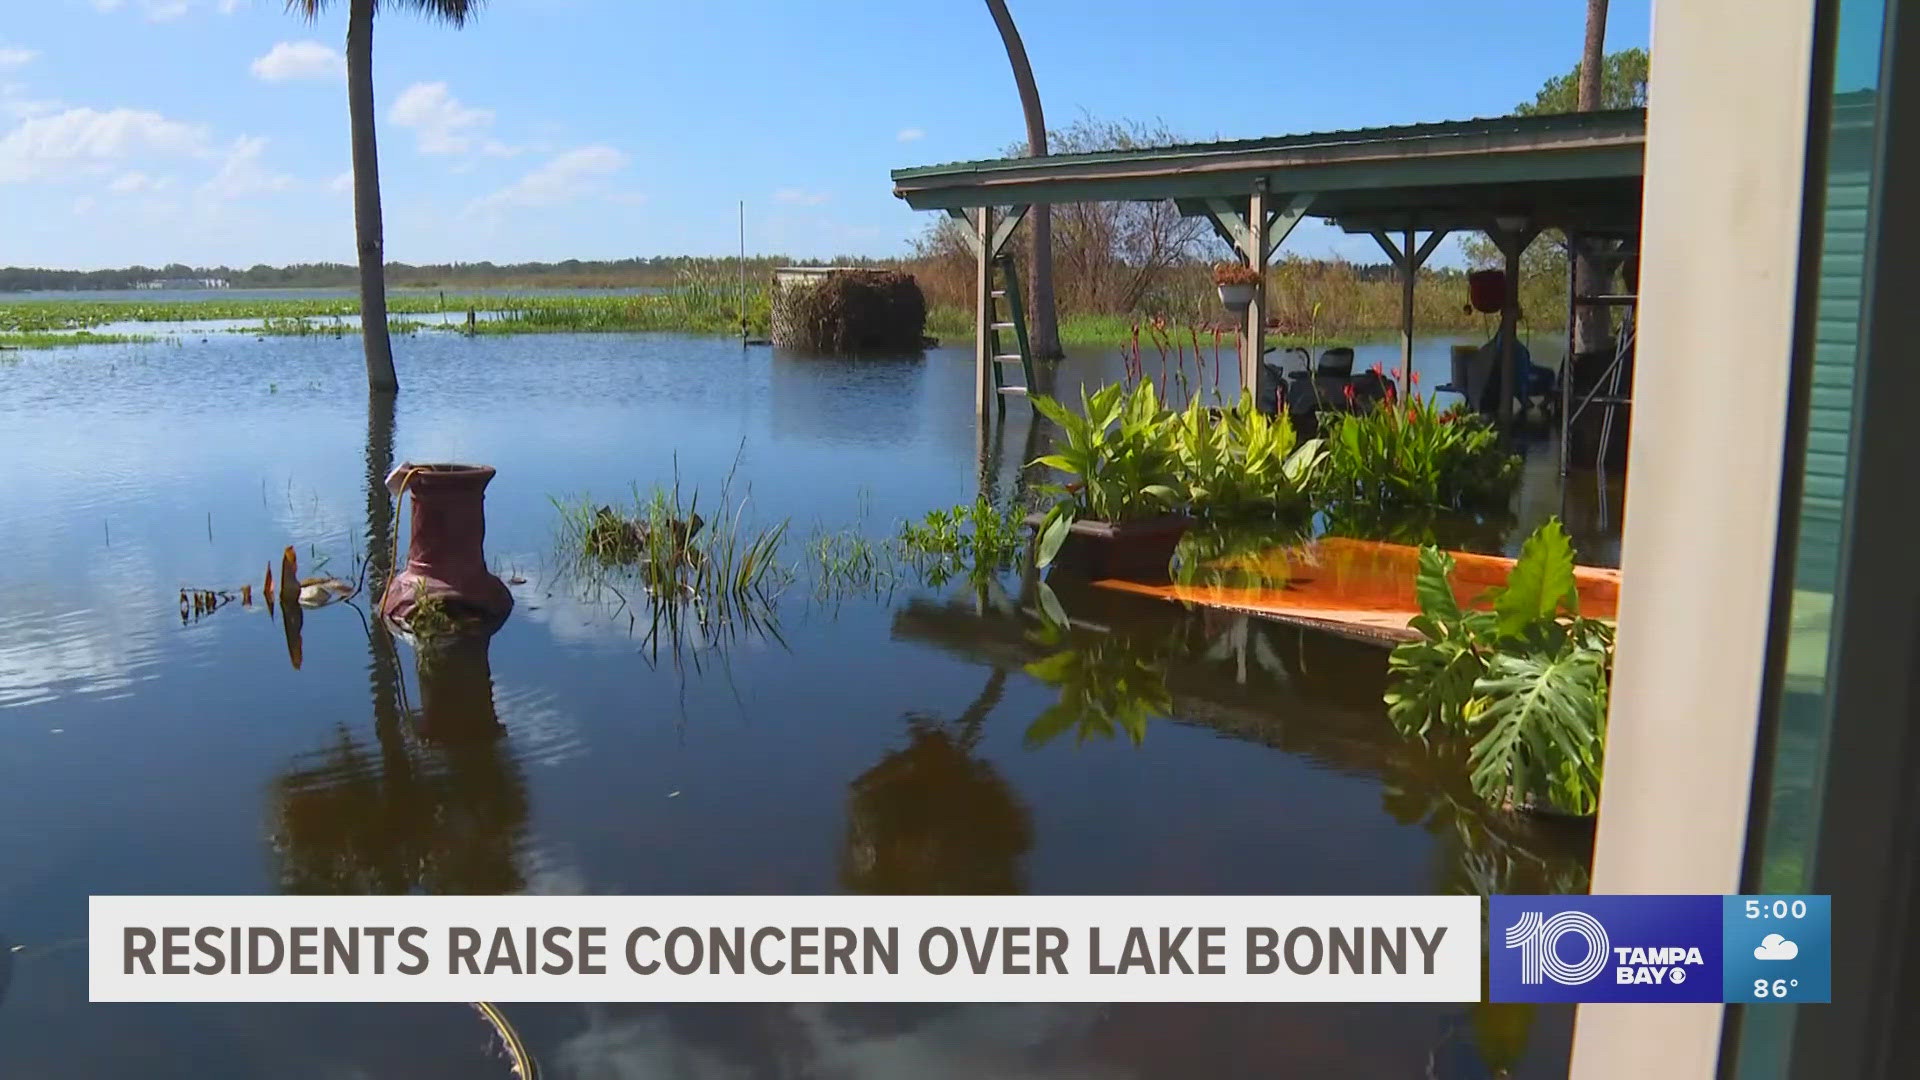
column 840, row 310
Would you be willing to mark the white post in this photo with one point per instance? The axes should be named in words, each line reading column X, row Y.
column 1409, row 269
column 983, row 317
column 1716, row 324
column 1256, row 253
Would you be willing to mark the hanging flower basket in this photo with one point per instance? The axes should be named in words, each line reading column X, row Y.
column 1236, row 283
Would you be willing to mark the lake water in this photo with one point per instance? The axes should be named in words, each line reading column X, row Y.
column 876, row 744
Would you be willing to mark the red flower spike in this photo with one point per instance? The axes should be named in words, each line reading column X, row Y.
column 1415, row 377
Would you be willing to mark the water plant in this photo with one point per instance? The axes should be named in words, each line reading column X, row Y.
column 847, row 562
column 672, row 552
column 1526, row 679
column 977, row 538
column 1240, row 463
column 1119, row 458
column 1408, row 453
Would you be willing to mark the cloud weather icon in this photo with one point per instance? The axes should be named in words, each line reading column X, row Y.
column 1775, row 947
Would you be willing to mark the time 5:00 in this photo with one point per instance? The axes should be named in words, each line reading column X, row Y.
column 1779, row 909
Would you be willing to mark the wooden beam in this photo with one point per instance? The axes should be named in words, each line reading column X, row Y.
column 1426, row 249
column 983, row 392
column 1230, row 224
column 970, row 231
column 1281, row 224
column 1256, row 256
column 1387, row 245
column 1003, row 230
column 1409, row 275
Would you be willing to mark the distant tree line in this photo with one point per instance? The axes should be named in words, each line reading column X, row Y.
column 660, row 270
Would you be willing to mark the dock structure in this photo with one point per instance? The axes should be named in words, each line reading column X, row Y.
column 1355, row 588
column 1408, row 187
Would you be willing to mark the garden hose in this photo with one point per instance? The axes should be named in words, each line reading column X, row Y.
column 524, row 1066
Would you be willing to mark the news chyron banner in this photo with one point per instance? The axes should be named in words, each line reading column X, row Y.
column 959, row 949
column 785, row 948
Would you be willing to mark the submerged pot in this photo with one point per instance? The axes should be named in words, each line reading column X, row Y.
column 1129, row 550
column 446, row 559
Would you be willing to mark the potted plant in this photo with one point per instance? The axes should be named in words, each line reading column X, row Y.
column 1118, row 514
column 1236, row 282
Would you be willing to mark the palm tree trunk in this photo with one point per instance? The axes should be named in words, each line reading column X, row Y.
column 1593, row 57
column 366, row 201
column 1044, row 338
column 1592, row 269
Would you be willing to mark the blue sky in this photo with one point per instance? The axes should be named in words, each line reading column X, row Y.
column 215, row 131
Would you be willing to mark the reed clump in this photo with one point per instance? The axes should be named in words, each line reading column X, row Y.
column 850, row 311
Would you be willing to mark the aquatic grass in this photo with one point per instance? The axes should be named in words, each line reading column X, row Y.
column 847, row 562
column 702, row 299
column 37, row 339
column 681, row 566
column 978, row 539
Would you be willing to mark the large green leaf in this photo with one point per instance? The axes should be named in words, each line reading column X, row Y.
column 1053, row 533
column 1433, row 587
column 1540, row 584
column 1545, row 721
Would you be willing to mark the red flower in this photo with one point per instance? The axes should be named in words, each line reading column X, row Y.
column 1396, row 374
column 1349, row 393
column 1412, row 414
column 1378, row 370
column 1415, row 376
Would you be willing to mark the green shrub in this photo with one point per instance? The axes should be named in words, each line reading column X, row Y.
column 1239, row 463
column 1119, row 456
column 1411, row 454
column 1527, row 680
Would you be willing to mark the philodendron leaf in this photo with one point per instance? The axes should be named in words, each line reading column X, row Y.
column 1053, row 533
column 1433, row 587
column 1540, row 583
column 1544, row 719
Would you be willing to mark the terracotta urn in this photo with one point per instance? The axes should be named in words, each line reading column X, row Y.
column 446, row 559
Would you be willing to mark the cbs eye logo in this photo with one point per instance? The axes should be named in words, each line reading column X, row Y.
column 1538, row 939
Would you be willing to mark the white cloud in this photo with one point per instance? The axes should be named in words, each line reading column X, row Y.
column 11, row 57
column 797, row 197
column 241, row 174
column 128, row 183
column 299, row 60
column 1775, row 947
column 572, row 175
column 83, row 205
column 228, row 7
column 341, row 183
column 108, row 5
column 910, row 134
column 14, row 103
column 164, row 10
column 441, row 124
column 87, row 140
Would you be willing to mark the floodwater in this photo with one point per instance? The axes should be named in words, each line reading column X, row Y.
column 890, row 743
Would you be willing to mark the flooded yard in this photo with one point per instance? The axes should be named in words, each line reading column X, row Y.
column 918, row 739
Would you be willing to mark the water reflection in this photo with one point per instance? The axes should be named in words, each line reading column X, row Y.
column 1121, row 663
column 435, row 805
column 934, row 818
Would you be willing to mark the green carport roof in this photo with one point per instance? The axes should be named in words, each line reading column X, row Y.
column 1578, row 170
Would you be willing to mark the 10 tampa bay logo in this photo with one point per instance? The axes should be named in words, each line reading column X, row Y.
column 1604, row 948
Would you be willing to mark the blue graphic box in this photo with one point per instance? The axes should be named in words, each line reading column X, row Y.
column 1605, row 948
